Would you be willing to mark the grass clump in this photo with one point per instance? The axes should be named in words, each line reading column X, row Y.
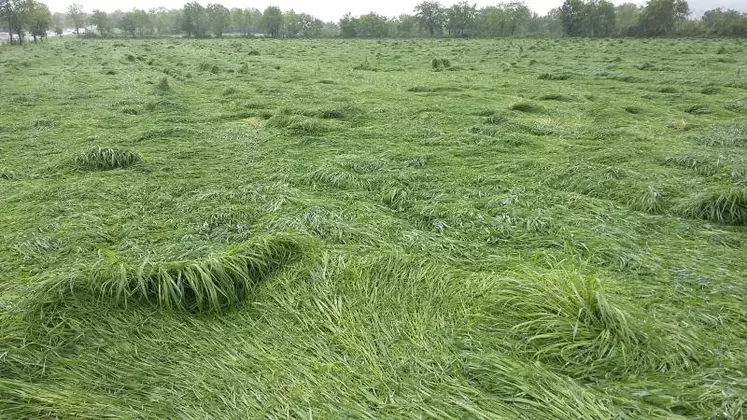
column 554, row 76
column 697, row 109
column 103, row 159
column 297, row 124
column 721, row 205
column 652, row 201
column 440, row 63
column 527, row 107
column 555, row 97
column 162, row 87
column 570, row 321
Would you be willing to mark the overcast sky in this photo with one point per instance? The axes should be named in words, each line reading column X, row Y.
column 334, row 9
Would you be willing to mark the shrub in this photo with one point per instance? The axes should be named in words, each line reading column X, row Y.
column 105, row 159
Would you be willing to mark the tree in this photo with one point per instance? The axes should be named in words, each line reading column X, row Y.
column 17, row 14
column 272, row 21
column 77, row 16
column 128, row 24
column 729, row 22
column 372, row 25
column 573, row 17
column 517, row 14
column 659, row 17
column 405, row 26
column 193, row 20
column 310, row 26
column 292, row 23
column 39, row 19
column 600, row 18
column 460, row 18
column 242, row 21
column 102, row 22
column 595, row 18
column 219, row 18
column 142, row 21
column 431, row 17
column 348, row 26
column 627, row 16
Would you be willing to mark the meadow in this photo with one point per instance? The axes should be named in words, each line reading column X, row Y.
column 519, row 229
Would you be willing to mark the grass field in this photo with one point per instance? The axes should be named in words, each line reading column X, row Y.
column 537, row 229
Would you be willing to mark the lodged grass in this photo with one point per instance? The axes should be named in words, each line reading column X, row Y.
column 103, row 159
column 211, row 284
column 451, row 258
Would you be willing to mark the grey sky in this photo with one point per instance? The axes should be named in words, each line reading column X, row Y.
column 334, row 9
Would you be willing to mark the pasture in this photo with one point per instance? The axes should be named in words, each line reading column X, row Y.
column 539, row 229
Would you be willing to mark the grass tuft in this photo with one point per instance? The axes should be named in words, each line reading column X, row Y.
column 722, row 205
column 103, row 159
column 527, row 107
column 653, row 201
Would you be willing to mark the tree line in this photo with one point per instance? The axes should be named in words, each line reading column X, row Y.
column 575, row 18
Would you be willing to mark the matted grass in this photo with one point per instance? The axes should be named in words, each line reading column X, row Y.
column 336, row 229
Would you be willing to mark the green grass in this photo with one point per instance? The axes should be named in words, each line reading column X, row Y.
column 542, row 229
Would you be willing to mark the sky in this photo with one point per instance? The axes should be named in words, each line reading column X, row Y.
column 334, row 9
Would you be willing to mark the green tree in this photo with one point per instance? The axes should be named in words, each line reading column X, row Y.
column 348, row 26
column 219, row 19
column 39, row 19
column 600, row 18
column 627, row 16
column 310, row 26
column 373, row 25
column 722, row 22
column 242, row 21
column 77, row 16
column 272, row 21
column 460, row 18
column 659, row 17
column 517, row 15
column 193, row 20
column 292, row 23
column 142, row 22
column 102, row 22
column 17, row 14
column 406, row 26
column 431, row 17
column 128, row 23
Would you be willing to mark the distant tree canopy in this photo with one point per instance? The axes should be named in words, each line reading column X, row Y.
column 575, row 18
